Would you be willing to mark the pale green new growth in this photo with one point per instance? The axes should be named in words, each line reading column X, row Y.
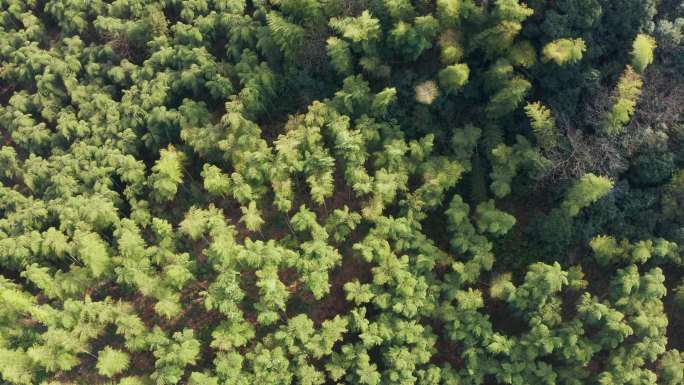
column 340, row 56
column 451, row 48
column 501, row 286
column 8, row 162
column 587, row 190
column 605, row 248
column 448, row 11
column 542, row 123
column 111, row 362
column 251, row 217
column 288, row 36
column 642, row 51
column 671, row 366
column 133, row 381
column 512, row 10
column 453, row 77
column 357, row 29
column 16, row 366
column 167, row 173
column 509, row 97
column 307, row 192
column 523, row 54
column 215, row 182
column 491, row 220
column 564, row 51
column 625, row 99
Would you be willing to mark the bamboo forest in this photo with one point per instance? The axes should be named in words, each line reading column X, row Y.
column 342, row 192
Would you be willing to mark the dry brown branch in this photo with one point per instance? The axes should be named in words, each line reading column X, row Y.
column 119, row 44
column 661, row 104
column 659, row 110
column 582, row 154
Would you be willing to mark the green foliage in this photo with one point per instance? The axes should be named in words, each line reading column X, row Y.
column 543, row 124
column 357, row 29
column 642, row 52
column 340, row 56
column 17, row 367
column 511, row 10
column 288, row 36
column 491, row 220
column 357, row 292
column 451, row 48
column 295, row 192
column 605, row 248
column 251, row 217
column 197, row 378
column 671, row 367
column 625, row 98
column 215, row 182
column 167, row 174
column 507, row 161
column 448, row 11
column 679, row 295
column 673, row 197
column 111, row 362
column 564, row 51
column 523, row 54
column 453, row 77
column 93, row 251
column 8, row 162
column 587, row 190
column 413, row 40
column 172, row 354
column 608, row 250
column 508, row 98
column 341, row 223
column 651, row 169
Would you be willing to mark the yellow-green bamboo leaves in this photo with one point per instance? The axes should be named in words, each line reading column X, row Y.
column 564, row 51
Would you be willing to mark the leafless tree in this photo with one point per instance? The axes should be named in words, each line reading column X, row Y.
column 662, row 102
column 657, row 115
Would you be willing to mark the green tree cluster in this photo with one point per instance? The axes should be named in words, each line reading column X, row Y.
column 342, row 192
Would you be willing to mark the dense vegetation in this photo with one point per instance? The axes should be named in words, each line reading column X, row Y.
column 366, row 192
